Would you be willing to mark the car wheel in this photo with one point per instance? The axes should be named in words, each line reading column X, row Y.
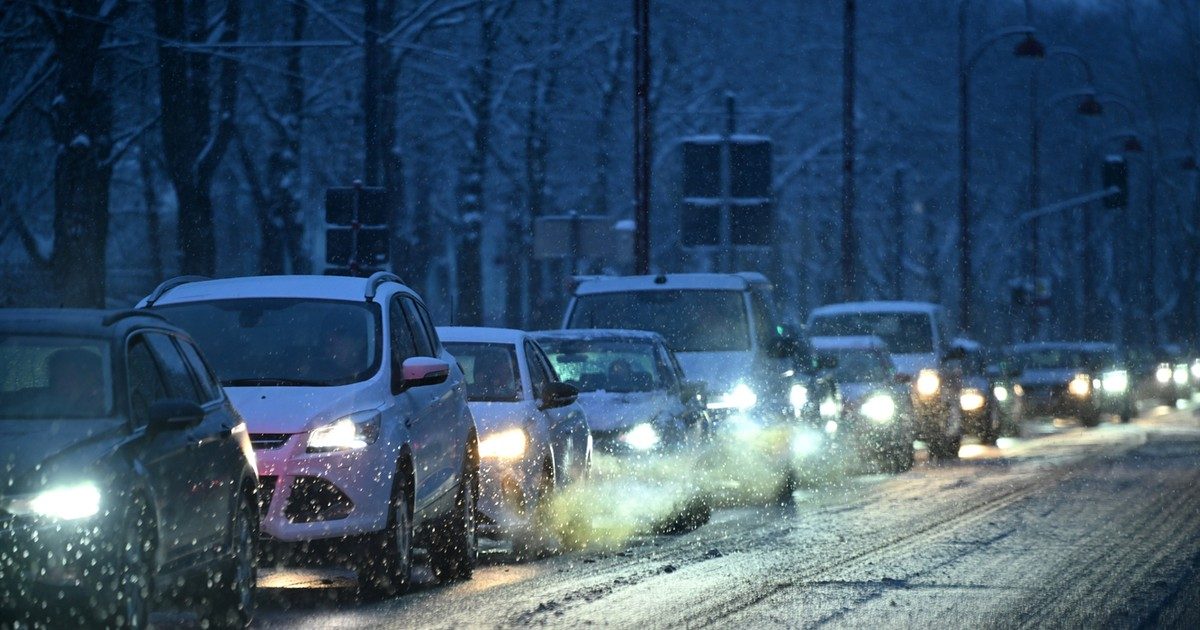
column 1090, row 418
column 945, row 447
column 230, row 604
column 990, row 431
column 386, row 568
column 900, row 457
column 456, row 547
column 531, row 541
column 132, row 581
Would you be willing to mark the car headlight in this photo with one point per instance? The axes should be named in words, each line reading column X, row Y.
column 830, row 408
column 1163, row 374
column 1180, row 375
column 879, row 408
column 508, row 444
column 349, row 433
column 971, row 399
column 642, row 437
column 740, row 397
column 928, row 383
column 798, row 396
column 1000, row 393
column 1115, row 381
column 1195, row 369
column 67, row 503
column 1080, row 386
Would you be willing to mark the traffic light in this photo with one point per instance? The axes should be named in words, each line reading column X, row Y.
column 356, row 230
column 1115, row 174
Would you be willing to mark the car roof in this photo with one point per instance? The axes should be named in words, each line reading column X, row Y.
column 1079, row 346
column 860, row 342
column 599, row 334
column 664, row 282
column 480, row 334
column 78, row 321
column 882, row 306
column 310, row 286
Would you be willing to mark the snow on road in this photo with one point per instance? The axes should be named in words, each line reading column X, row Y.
column 1081, row 527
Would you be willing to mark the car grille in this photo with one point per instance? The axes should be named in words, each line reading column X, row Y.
column 268, row 441
column 266, row 492
column 314, row 500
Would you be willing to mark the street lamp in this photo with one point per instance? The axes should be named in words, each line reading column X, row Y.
column 1028, row 47
column 1089, row 106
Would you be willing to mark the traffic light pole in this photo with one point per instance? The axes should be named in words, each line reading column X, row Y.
column 725, row 233
column 642, row 135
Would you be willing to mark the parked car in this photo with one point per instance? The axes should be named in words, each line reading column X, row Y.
column 1172, row 375
column 991, row 407
column 631, row 387
column 126, row 471
column 1081, row 380
column 720, row 326
column 877, row 409
column 918, row 337
column 357, row 413
column 534, row 438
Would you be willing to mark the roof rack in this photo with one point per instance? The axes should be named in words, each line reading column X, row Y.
column 167, row 285
column 116, row 316
column 376, row 279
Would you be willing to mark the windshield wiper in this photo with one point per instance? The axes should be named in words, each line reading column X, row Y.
column 270, row 382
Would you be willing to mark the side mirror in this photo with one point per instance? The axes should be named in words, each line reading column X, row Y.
column 174, row 414
column 419, row 372
column 694, row 391
column 555, row 395
column 781, row 347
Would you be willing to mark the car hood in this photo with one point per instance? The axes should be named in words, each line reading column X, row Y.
column 491, row 417
column 298, row 409
column 608, row 411
column 720, row 371
column 854, row 393
column 978, row 382
column 910, row 364
column 35, row 452
column 1056, row 376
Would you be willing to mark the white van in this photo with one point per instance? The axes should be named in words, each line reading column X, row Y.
column 918, row 336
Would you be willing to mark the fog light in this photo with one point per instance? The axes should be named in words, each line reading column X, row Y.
column 971, row 400
column 1000, row 393
column 1163, row 374
column 928, row 383
column 1080, row 386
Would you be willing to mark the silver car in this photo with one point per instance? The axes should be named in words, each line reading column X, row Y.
column 533, row 435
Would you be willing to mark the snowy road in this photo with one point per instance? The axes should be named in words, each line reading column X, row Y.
column 1074, row 527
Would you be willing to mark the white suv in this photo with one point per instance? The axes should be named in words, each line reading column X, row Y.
column 357, row 415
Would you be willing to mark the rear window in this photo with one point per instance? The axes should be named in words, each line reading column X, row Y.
column 489, row 369
column 690, row 320
column 904, row 333
column 50, row 377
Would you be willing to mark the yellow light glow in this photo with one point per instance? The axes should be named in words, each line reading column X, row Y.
column 971, row 400
column 1080, row 386
column 928, row 383
column 879, row 408
column 643, row 437
column 508, row 444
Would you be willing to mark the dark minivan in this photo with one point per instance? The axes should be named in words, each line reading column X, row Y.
column 125, row 470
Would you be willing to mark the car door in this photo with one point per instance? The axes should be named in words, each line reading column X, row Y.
column 166, row 456
column 566, row 426
column 428, row 433
column 209, row 504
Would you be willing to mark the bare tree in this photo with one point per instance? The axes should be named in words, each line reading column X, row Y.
column 197, row 115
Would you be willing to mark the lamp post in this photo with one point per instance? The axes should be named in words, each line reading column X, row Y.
column 642, row 135
column 1089, row 107
column 1028, row 47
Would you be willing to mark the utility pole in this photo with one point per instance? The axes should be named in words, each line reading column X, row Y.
column 725, row 255
column 898, row 251
column 372, row 149
column 849, row 235
column 642, row 134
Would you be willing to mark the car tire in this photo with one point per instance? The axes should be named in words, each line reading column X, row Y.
column 989, row 432
column 456, row 545
column 1090, row 419
column 386, row 567
column 945, row 447
column 531, row 541
column 230, row 603
column 131, row 586
column 900, row 457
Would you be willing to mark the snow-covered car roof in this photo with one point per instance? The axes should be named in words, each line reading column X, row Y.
column 481, row 334
column 665, row 282
column 969, row 345
column 315, row 287
column 754, row 277
column 882, row 306
column 860, row 342
column 598, row 334
column 1076, row 346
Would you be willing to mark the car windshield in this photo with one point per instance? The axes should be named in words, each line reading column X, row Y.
column 51, row 377
column 859, row 366
column 1051, row 359
column 690, row 320
column 490, row 370
column 284, row 341
column 904, row 333
column 605, row 365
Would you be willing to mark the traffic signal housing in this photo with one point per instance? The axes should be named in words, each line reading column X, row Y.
column 1115, row 177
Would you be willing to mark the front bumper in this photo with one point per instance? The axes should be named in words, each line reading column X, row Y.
column 52, row 559
column 310, row 496
column 508, row 495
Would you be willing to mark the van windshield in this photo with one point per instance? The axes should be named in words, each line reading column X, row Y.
column 283, row 341
column 694, row 320
column 904, row 333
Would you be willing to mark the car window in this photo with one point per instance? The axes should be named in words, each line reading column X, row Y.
column 403, row 344
column 179, row 378
column 52, row 377
column 489, row 370
column 690, row 320
column 210, row 390
column 538, row 374
column 420, row 332
column 430, row 329
column 612, row 365
column 904, row 333
column 146, row 383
